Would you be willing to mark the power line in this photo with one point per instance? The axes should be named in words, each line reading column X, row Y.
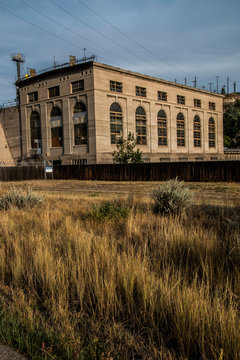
column 39, row 27
column 103, row 35
column 127, row 36
column 70, row 30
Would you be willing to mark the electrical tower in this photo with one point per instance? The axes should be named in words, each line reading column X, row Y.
column 19, row 59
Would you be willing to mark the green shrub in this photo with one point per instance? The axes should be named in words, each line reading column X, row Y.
column 20, row 199
column 171, row 197
column 109, row 211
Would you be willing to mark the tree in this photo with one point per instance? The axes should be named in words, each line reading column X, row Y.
column 231, row 124
column 126, row 152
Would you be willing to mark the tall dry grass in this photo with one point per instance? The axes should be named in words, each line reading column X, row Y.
column 145, row 287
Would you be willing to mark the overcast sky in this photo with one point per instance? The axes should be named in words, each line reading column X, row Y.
column 169, row 39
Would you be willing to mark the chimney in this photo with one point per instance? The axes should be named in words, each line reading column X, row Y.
column 72, row 60
column 32, row 72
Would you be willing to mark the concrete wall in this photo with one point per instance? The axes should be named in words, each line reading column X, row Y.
column 10, row 151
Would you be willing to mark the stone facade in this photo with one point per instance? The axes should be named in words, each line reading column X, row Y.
column 72, row 109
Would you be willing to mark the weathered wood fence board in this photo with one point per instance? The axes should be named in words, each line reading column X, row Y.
column 15, row 173
column 188, row 171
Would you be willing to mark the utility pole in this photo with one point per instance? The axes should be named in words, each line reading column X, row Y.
column 210, row 84
column 234, row 86
column 217, row 77
column 185, row 81
column 228, row 85
column 175, row 80
column 19, row 59
column 195, row 82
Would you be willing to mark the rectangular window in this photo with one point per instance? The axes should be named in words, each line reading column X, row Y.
column 77, row 86
column 180, row 99
column 162, row 95
column 33, row 96
column 212, row 106
column 140, row 91
column 53, row 91
column 197, row 103
column 115, row 86
column 79, row 161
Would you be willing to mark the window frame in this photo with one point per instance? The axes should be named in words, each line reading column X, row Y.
column 116, row 122
column 197, row 103
column 141, row 91
column 32, row 96
column 55, row 93
column 211, row 133
column 116, row 86
column 162, row 95
column 197, row 131
column 212, row 105
column 181, row 99
column 80, row 129
column 79, row 85
column 141, row 126
column 162, row 128
column 181, row 141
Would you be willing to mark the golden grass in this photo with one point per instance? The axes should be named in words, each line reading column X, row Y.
column 145, row 287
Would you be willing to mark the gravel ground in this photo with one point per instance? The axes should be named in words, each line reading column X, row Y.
column 7, row 353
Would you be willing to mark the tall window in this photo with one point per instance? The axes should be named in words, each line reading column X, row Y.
column 141, row 131
column 180, row 130
column 80, row 124
column 56, row 127
column 162, row 128
column 116, row 126
column 197, row 131
column 35, row 128
column 211, row 132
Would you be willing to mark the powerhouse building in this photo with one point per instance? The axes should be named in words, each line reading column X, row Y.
column 75, row 115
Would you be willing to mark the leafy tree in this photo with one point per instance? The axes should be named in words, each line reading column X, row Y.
column 231, row 124
column 126, row 152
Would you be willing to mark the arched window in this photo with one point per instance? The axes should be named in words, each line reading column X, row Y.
column 211, row 132
column 180, row 130
column 56, row 127
column 80, row 124
column 197, row 131
column 35, row 128
column 141, row 130
column 116, row 127
column 162, row 128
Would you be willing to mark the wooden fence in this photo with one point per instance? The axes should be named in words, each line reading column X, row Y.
column 187, row 171
column 15, row 173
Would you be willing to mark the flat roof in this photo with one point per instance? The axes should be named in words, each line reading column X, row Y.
column 67, row 68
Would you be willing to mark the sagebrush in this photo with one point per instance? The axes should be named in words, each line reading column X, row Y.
column 171, row 197
column 20, row 199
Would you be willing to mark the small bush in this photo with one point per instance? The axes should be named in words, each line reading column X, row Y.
column 20, row 199
column 172, row 197
column 109, row 211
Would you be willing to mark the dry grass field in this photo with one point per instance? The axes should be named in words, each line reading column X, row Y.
column 93, row 273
